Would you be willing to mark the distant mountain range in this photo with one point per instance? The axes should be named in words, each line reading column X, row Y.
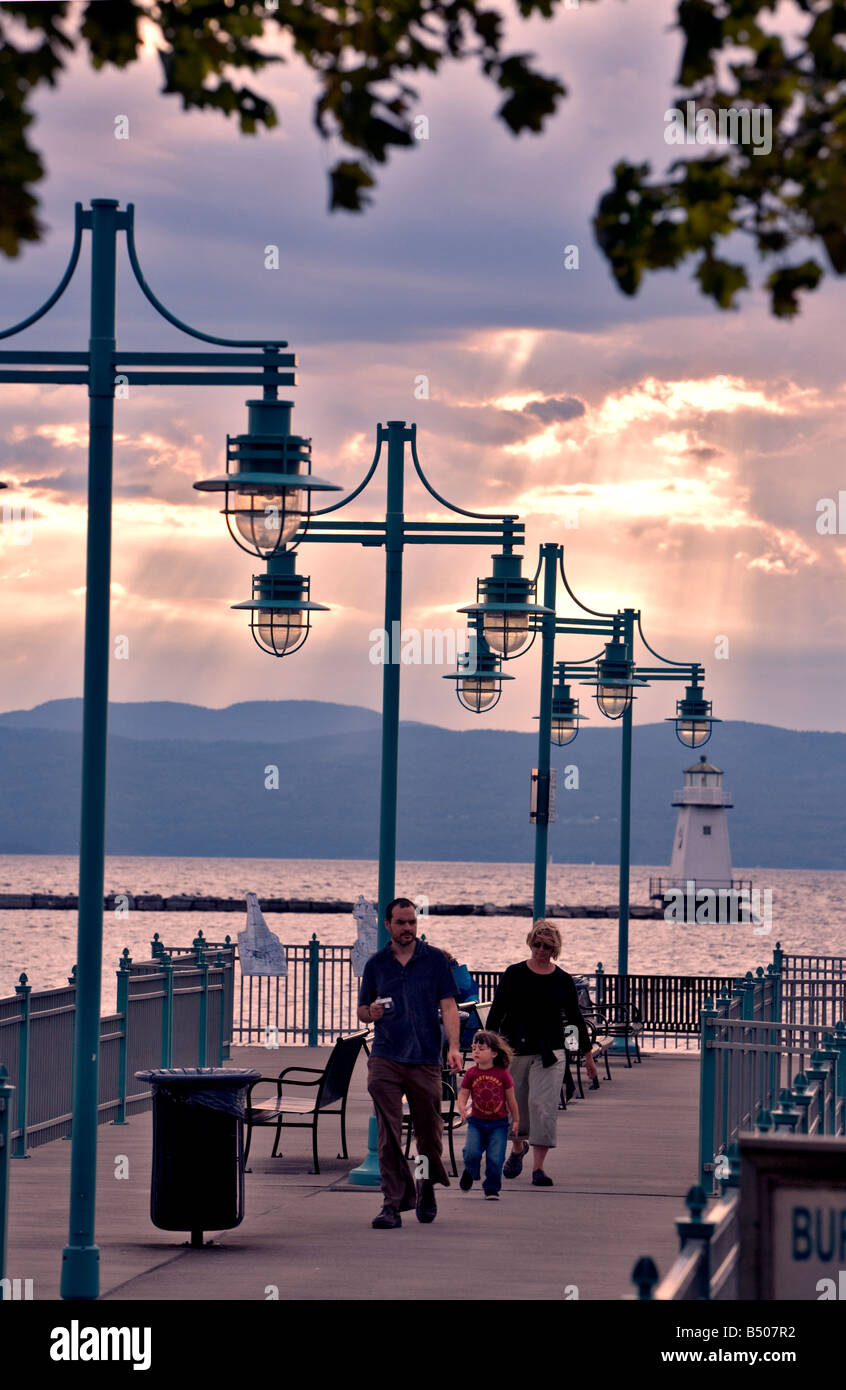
column 186, row 780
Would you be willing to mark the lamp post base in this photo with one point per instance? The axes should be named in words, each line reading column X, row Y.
column 367, row 1174
column 80, row 1271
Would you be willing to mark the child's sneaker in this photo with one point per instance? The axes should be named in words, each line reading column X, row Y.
column 491, row 1196
column 465, row 1182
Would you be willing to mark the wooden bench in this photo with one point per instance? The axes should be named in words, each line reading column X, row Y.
column 333, row 1084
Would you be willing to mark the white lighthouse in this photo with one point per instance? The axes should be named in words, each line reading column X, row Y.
column 701, row 851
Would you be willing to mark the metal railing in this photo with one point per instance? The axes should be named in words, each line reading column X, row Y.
column 708, row 1263
column 709, row 1253
column 168, row 1013
column 663, row 884
column 318, row 998
column 701, row 796
column 813, row 987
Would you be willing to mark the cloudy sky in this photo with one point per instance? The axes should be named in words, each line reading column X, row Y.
column 678, row 452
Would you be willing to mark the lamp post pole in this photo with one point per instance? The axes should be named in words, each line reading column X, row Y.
column 80, row 1259
column 549, row 558
column 625, row 812
column 397, row 434
column 97, row 368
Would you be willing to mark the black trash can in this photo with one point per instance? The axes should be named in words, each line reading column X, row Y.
column 198, row 1147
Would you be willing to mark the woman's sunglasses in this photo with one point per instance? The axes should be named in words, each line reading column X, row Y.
column 542, row 946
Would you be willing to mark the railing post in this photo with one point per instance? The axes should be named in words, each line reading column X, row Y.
column 123, row 976
column 839, row 1042
column 6, row 1093
column 773, row 1036
column 707, row 1080
column 220, row 964
column 72, row 980
column 784, row 1116
column 801, row 1098
column 203, row 967
column 694, row 1228
column 23, row 991
column 600, row 987
column 313, row 984
column 819, row 1073
column 228, row 1006
column 167, row 1009
column 645, row 1277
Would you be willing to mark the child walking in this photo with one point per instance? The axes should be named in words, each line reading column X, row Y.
column 488, row 1084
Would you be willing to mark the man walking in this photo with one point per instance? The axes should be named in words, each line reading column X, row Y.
column 415, row 979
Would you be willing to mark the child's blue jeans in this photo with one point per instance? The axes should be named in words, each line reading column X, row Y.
column 488, row 1137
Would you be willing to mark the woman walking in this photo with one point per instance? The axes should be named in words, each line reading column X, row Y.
column 533, row 1004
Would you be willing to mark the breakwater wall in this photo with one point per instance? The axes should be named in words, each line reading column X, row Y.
column 156, row 902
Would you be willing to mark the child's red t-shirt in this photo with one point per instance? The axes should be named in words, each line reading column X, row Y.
column 487, row 1091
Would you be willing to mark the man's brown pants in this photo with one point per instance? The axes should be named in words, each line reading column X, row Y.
column 387, row 1083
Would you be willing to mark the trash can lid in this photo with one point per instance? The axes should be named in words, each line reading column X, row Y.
column 206, row 1076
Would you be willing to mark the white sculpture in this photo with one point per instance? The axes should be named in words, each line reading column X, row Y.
column 261, row 951
column 367, row 927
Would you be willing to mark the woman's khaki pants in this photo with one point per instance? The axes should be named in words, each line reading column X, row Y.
column 537, row 1090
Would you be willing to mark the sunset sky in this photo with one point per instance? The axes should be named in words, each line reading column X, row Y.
column 692, row 446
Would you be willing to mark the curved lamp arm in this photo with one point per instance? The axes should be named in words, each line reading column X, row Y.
column 595, row 611
column 63, row 283
column 694, row 665
column 171, row 318
column 321, row 511
column 462, row 511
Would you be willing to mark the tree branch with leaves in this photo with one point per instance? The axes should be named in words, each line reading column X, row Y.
column 786, row 202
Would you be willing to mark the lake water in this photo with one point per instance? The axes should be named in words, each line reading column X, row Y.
column 808, row 913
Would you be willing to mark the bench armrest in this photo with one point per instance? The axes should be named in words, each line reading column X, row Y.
column 317, row 1071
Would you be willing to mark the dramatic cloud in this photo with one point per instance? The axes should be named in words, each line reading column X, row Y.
column 677, row 452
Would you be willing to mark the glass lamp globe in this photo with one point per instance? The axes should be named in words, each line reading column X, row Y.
column 613, row 700
column 693, row 732
column 266, row 519
column 479, row 694
column 564, row 729
column 279, row 629
column 506, row 633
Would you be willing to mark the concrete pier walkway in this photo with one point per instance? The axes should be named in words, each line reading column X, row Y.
column 626, row 1156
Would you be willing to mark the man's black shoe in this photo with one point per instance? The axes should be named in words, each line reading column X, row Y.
column 388, row 1219
column 427, row 1207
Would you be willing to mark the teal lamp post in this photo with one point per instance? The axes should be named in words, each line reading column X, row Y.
column 615, row 679
column 393, row 533
column 101, row 367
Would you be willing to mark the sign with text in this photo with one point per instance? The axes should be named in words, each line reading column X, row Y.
column 792, row 1217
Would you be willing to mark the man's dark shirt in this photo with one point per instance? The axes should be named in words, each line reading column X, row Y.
column 411, row 1032
column 530, row 1009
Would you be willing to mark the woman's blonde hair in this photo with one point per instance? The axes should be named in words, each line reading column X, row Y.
column 543, row 928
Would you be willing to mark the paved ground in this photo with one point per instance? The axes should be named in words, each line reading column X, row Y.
column 626, row 1157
